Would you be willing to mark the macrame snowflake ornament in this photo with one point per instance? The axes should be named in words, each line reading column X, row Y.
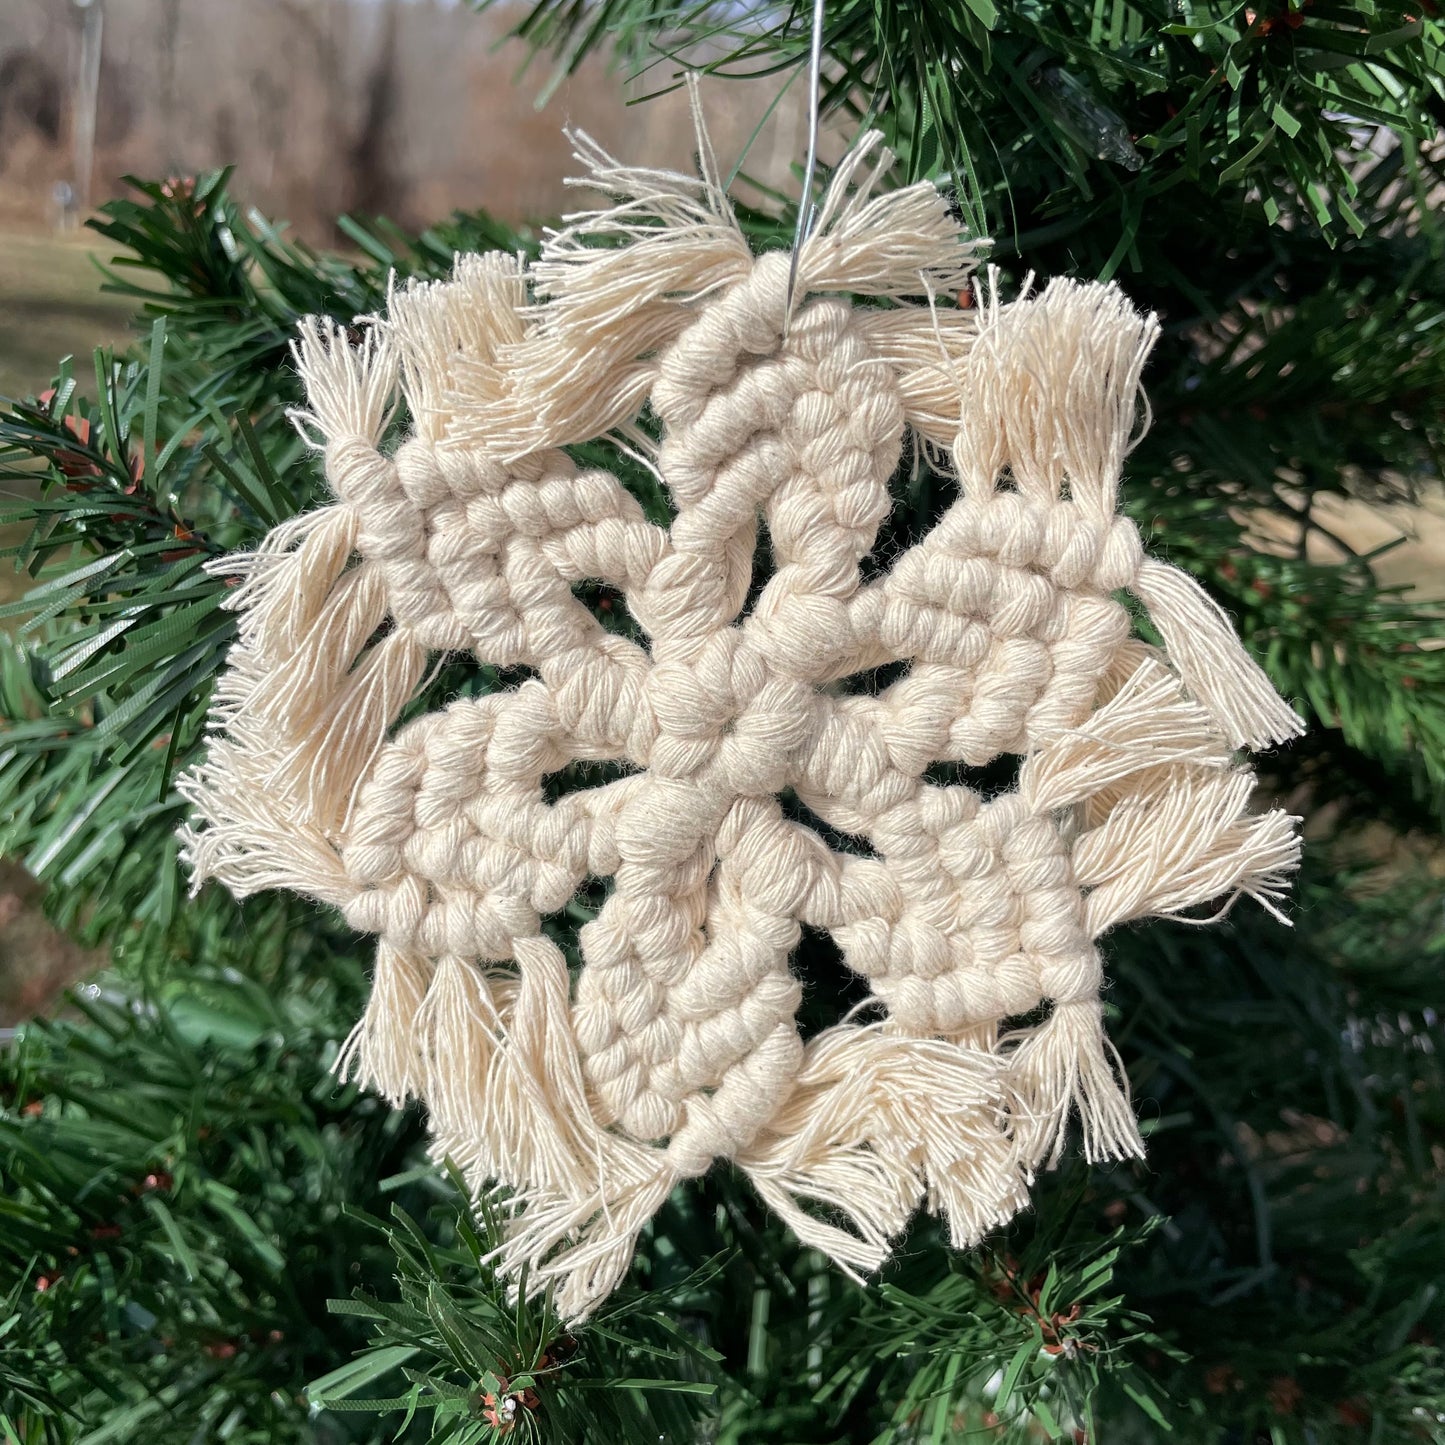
column 584, row 1102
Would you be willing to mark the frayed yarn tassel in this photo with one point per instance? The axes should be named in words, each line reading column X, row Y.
column 455, row 1028
column 279, row 589
column 581, row 1249
column 900, row 243
column 1063, row 1067
column 292, row 737
column 1146, row 726
column 450, row 336
column 680, row 228
column 382, row 1052
column 509, row 1106
column 1085, row 353
column 277, row 779
column 240, row 835
column 1188, row 844
column 349, row 389
column 295, row 610
column 577, row 1196
column 542, row 1109
column 308, row 752
column 878, row 1120
column 943, row 1104
column 605, row 309
column 1158, row 835
column 1053, row 393
column 292, row 692
column 853, row 1183
column 824, row 1147
column 336, row 751
column 249, row 828
column 1211, row 660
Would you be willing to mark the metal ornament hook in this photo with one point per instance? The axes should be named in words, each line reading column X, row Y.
column 806, row 209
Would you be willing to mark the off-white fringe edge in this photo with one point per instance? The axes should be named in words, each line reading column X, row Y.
column 507, row 360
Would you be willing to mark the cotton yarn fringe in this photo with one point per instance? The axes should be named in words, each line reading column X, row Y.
column 583, row 1104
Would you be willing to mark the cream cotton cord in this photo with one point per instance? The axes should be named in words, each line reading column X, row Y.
column 582, row 1103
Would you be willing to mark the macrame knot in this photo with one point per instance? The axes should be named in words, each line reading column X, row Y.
column 785, row 751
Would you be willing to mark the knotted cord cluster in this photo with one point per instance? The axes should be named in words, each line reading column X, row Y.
column 586, row 1101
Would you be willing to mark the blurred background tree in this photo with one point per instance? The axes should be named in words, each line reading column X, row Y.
column 185, row 1185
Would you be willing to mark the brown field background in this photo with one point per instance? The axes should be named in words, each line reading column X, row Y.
column 405, row 107
column 408, row 108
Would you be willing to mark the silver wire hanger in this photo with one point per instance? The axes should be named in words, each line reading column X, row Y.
column 807, row 211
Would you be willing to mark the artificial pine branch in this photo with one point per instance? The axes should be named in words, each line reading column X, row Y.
column 475, row 1367
column 1274, row 1072
column 1295, row 1087
column 1068, row 113
column 175, row 1168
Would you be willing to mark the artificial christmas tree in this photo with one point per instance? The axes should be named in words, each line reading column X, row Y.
column 1263, row 182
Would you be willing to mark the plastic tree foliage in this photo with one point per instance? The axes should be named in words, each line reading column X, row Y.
column 186, row 1187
